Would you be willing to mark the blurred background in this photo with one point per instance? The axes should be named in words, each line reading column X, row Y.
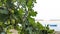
column 48, row 13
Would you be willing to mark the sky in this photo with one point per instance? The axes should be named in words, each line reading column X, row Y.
column 48, row 10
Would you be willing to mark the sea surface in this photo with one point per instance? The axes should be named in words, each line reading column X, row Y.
column 52, row 24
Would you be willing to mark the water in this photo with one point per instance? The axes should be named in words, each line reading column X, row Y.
column 52, row 24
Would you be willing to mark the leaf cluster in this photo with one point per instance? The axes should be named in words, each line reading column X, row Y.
column 16, row 14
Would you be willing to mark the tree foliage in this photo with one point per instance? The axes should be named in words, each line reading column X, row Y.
column 17, row 14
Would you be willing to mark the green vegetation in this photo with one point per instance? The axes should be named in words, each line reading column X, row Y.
column 17, row 14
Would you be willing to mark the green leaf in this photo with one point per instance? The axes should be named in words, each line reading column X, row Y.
column 29, row 4
column 21, row 11
column 1, row 23
column 13, row 21
column 34, row 1
column 31, row 20
column 40, row 26
column 3, row 17
column 32, row 13
column 8, row 21
column 3, row 11
column 0, row 3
